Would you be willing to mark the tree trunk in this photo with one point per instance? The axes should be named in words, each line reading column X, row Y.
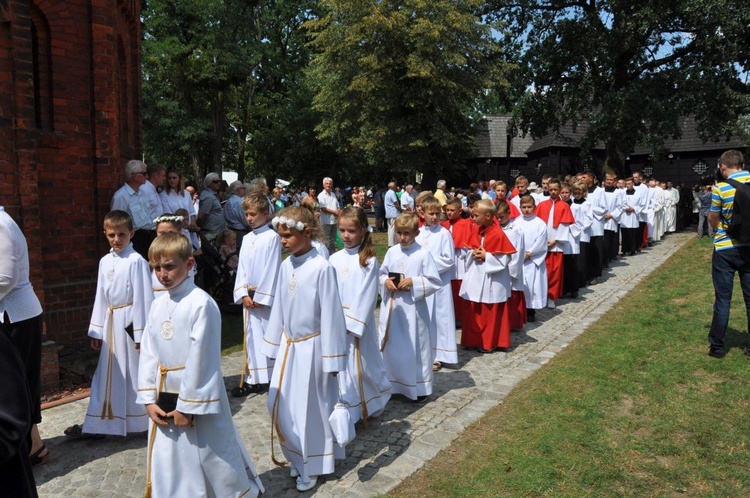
column 615, row 159
column 217, row 120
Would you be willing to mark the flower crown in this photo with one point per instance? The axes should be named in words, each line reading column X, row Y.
column 171, row 218
column 290, row 222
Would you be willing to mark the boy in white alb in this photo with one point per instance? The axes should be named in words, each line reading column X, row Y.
column 123, row 299
column 439, row 243
column 535, row 246
column 407, row 276
column 516, row 306
column 194, row 448
column 254, row 288
column 306, row 333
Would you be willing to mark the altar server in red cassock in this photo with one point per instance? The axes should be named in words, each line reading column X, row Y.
column 486, row 287
column 558, row 216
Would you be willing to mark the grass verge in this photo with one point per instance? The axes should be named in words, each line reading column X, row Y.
column 634, row 407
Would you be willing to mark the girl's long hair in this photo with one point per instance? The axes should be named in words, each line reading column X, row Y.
column 366, row 247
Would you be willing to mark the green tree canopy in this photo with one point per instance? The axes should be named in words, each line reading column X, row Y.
column 628, row 69
column 398, row 79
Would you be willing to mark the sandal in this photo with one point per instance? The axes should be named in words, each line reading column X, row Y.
column 76, row 432
column 437, row 366
column 37, row 458
column 241, row 391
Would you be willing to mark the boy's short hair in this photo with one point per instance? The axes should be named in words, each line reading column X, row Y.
column 169, row 245
column 256, row 199
column 471, row 199
column 408, row 221
column 579, row 190
column 454, row 201
column 182, row 212
column 521, row 179
column 421, row 197
column 430, row 202
column 502, row 208
column 486, row 206
column 527, row 199
column 117, row 219
column 554, row 181
column 500, row 183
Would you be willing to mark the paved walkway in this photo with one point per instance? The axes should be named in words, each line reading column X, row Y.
column 393, row 447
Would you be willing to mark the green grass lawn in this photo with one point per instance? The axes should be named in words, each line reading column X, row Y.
column 634, row 407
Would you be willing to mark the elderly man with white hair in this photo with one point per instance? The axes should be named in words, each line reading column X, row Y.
column 329, row 209
column 440, row 193
column 234, row 215
column 210, row 213
column 128, row 198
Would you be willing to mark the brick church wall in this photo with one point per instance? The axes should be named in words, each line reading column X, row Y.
column 66, row 67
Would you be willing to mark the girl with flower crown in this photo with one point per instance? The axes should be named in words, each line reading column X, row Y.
column 306, row 334
column 365, row 386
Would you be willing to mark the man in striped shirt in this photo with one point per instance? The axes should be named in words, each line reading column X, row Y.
column 729, row 255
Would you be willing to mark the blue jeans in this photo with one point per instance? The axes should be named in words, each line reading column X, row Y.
column 724, row 265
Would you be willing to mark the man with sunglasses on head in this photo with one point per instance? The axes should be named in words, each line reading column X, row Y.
column 130, row 199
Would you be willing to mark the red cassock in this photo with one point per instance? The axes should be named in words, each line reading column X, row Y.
column 517, row 310
column 554, row 260
column 487, row 325
column 460, row 229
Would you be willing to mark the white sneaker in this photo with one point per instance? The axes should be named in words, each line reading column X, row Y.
column 293, row 473
column 306, row 486
column 550, row 304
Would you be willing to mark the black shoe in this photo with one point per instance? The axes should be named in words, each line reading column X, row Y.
column 716, row 354
column 530, row 315
column 746, row 350
column 420, row 399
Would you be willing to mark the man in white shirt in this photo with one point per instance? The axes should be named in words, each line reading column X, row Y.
column 156, row 174
column 329, row 212
column 128, row 198
column 407, row 201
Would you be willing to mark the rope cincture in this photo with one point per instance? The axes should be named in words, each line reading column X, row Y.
column 107, row 411
column 275, row 424
column 163, row 376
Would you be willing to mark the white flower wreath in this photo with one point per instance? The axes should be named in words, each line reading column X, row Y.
column 290, row 222
column 172, row 218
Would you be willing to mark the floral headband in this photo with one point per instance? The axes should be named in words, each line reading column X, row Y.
column 170, row 218
column 290, row 222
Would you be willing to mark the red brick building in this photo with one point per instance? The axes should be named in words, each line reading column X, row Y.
column 69, row 120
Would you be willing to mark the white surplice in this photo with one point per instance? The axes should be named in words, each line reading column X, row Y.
column 365, row 385
column 208, row 457
column 438, row 241
column 487, row 281
column 306, row 333
column 613, row 202
column 635, row 201
column 123, row 297
column 534, row 268
column 405, row 320
column 673, row 200
column 257, row 270
column 515, row 266
column 581, row 230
